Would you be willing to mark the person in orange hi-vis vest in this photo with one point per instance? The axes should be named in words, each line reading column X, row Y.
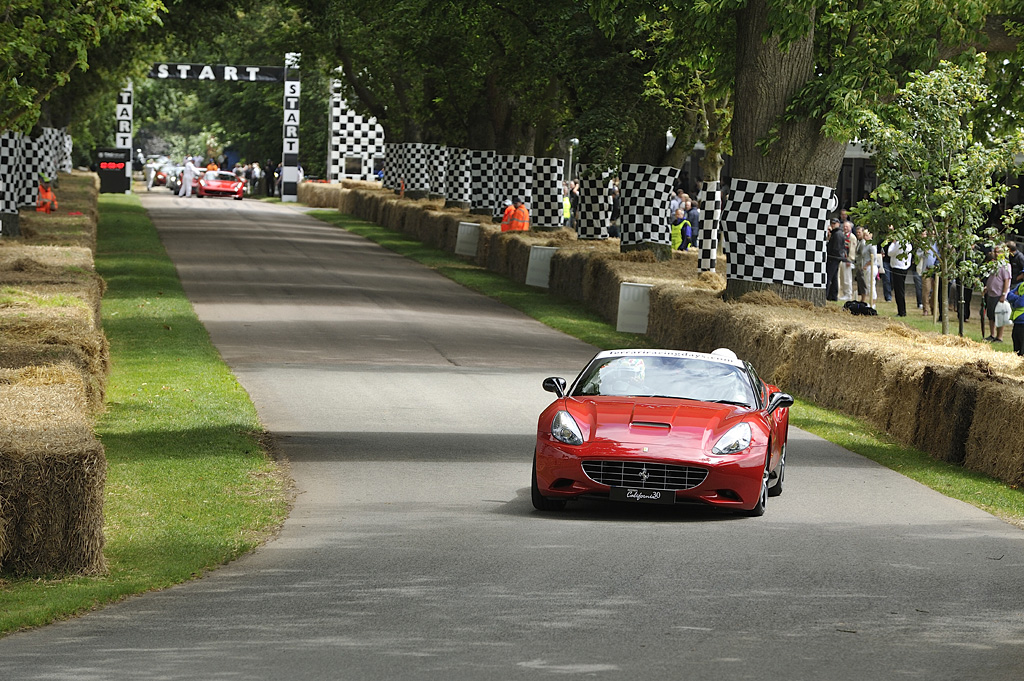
column 521, row 218
column 506, row 217
column 47, row 201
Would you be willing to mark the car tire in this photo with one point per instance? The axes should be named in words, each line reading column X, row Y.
column 238, row 198
column 762, row 498
column 541, row 502
column 776, row 489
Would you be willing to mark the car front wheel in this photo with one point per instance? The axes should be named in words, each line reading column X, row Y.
column 762, row 498
column 541, row 502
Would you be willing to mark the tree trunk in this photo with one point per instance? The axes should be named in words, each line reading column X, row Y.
column 765, row 147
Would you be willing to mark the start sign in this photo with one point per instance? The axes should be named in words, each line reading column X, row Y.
column 111, row 166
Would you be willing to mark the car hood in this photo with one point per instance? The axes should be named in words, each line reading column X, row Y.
column 681, row 423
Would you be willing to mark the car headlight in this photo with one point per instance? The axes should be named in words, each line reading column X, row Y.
column 564, row 429
column 733, row 442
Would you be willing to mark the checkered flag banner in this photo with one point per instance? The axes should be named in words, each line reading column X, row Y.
column 10, row 171
column 644, row 193
column 437, row 158
column 458, row 180
column 547, row 192
column 707, row 232
column 483, row 170
column 28, row 174
column 51, row 143
column 515, row 180
column 775, row 233
column 595, row 209
column 67, row 146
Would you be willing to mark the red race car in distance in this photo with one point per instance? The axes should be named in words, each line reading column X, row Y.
column 220, row 183
column 661, row 427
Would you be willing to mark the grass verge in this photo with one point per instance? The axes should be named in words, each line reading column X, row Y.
column 998, row 498
column 189, row 483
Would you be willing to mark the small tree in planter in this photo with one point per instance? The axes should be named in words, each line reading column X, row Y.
column 937, row 178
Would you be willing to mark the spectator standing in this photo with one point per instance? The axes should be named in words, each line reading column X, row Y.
column 862, row 263
column 693, row 216
column 1015, row 259
column 1015, row 296
column 679, row 238
column 846, row 269
column 615, row 222
column 899, row 262
column 997, row 286
column 834, row 253
column 927, row 261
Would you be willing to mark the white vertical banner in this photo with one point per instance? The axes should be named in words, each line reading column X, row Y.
column 290, row 156
column 123, row 137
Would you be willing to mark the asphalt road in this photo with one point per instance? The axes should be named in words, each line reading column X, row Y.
column 407, row 406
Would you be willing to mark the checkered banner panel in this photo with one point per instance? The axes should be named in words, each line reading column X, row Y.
column 547, row 192
column 515, row 180
column 416, row 167
column 51, row 146
column 484, row 170
column 711, row 220
column 10, row 171
column 644, row 193
column 775, row 233
column 437, row 160
column 458, row 177
column 67, row 146
column 595, row 209
column 28, row 174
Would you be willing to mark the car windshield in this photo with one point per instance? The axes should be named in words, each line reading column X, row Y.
column 220, row 175
column 684, row 378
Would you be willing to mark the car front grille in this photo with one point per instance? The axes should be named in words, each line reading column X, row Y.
column 644, row 475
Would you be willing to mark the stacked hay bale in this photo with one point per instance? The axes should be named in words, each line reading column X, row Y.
column 54, row 361
column 948, row 396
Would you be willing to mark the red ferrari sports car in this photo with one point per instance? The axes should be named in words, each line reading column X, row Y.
column 220, row 183
column 663, row 426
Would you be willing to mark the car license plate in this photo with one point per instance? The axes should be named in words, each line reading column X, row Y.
column 642, row 496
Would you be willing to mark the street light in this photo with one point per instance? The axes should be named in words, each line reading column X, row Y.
column 572, row 143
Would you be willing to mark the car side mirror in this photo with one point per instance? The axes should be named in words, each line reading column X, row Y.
column 555, row 385
column 778, row 401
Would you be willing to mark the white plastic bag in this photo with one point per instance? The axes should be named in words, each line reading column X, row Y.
column 1002, row 316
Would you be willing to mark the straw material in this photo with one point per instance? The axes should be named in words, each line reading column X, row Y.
column 52, row 472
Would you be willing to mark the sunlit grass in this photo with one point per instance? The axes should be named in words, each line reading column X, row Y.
column 189, row 483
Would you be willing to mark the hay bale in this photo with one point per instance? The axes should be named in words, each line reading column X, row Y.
column 992, row 447
column 52, row 473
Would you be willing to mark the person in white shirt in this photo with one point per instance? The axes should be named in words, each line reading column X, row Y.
column 899, row 261
column 186, row 178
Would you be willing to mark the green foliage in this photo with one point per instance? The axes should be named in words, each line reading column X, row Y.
column 937, row 176
column 43, row 43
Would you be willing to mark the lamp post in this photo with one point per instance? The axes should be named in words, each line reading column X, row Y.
column 572, row 144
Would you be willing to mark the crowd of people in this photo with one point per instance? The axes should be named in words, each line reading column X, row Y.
column 856, row 267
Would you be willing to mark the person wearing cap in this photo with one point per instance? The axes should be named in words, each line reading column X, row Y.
column 47, row 201
column 506, row 216
column 521, row 217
